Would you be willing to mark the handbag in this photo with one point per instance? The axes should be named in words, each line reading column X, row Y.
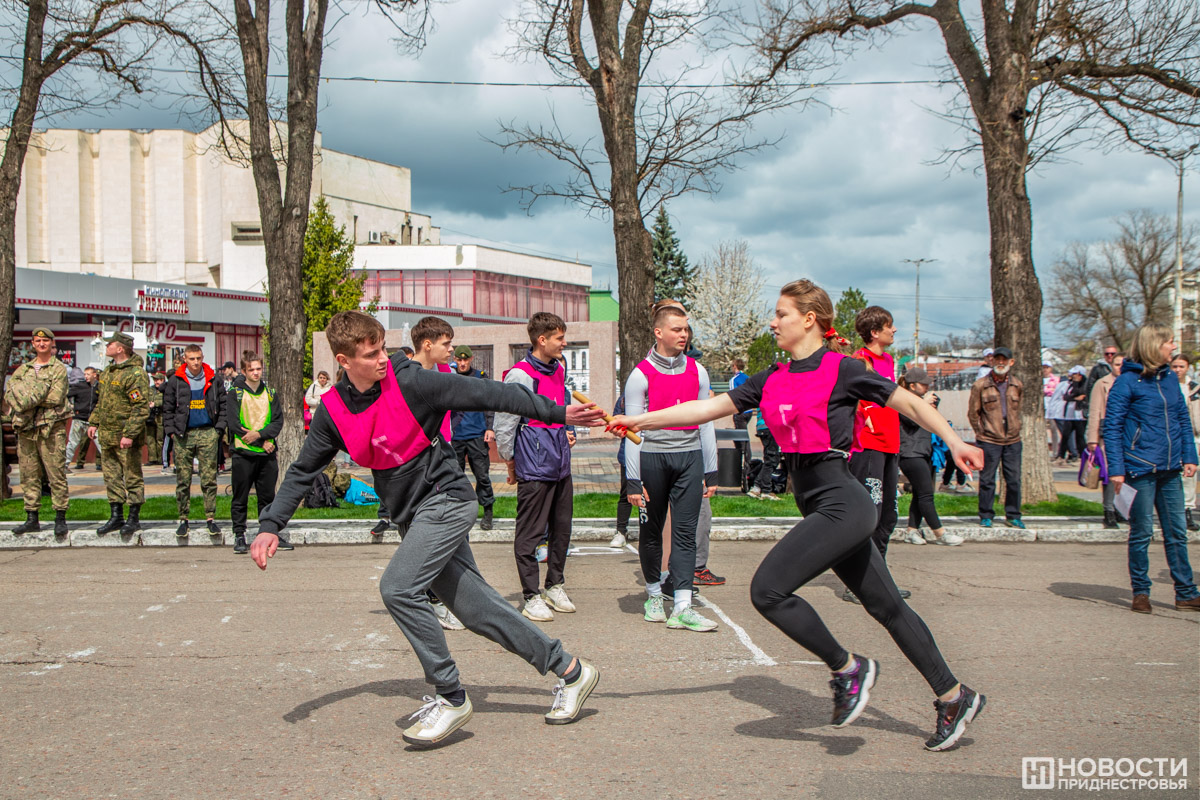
column 1093, row 470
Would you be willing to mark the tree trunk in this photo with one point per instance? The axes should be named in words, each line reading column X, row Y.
column 15, row 147
column 1016, row 293
column 635, row 282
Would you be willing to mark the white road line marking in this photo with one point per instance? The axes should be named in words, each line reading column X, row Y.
column 1155, row 664
column 82, row 653
column 226, row 619
column 157, row 608
column 631, row 549
column 760, row 657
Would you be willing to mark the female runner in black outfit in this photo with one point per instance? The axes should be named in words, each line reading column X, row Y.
column 809, row 405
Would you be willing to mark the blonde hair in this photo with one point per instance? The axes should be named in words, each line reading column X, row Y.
column 1146, row 348
column 806, row 296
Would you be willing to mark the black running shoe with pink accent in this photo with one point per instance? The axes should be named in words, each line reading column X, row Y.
column 952, row 718
column 704, row 577
column 852, row 690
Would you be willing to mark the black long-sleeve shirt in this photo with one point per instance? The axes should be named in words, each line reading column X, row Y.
column 429, row 395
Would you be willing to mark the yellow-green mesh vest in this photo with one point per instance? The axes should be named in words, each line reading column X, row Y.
column 255, row 415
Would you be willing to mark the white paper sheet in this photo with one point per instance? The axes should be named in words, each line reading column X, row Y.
column 1123, row 501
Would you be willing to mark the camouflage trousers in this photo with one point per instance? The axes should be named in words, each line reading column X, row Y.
column 43, row 453
column 154, row 439
column 200, row 444
column 122, row 468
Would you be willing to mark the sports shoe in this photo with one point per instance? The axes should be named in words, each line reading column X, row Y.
column 284, row 544
column 687, row 618
column 239, row 544
column 912, row 536
column 436, row 720
column 654, row 609
column 381, row 527
column 952, row 718
column 705, row 577
column 213, row 528
column 985, row 522
column 542, row 553
column 946, row 488
column 569, row 697
column 966, row 487
column 535, row 608
column 758, row 494
column 1015, row 523
column 182, row 531
column 556, row 598
column 852, row 690
column 947, row 538
column 850, row 597
column 446, row 618
column 618, row 540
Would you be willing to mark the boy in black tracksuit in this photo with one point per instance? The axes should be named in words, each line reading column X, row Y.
column 254, row 417
column 428, row 495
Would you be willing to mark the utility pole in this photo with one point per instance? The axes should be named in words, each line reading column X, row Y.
column 917, row 323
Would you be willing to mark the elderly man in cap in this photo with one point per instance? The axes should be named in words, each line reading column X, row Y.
column 36, row 397
column 118, row 424
column 472, row 434
column 988, row 359
column 994, row 412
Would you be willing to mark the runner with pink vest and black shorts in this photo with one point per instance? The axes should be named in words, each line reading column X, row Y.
column 672, row 468
column 388, row 415
column 809, row 404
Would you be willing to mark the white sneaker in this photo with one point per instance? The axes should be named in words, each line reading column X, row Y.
column 446, row 618
column 537, row 610
column 569, row 697
column 618, row 540
column 754, row 492
column 913, row 536
column 541, row 552
column 947, row 538
column 556, row 598
column 436, row 720
column 966, row 488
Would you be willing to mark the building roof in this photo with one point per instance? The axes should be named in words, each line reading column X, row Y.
column 602, row 306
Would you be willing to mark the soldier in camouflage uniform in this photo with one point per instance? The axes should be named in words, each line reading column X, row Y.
column 118, row 424
column 36, row 396
column 154, row 423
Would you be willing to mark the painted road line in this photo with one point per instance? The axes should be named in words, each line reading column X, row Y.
column 760, row 657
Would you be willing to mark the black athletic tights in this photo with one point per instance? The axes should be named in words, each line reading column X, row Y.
column 835, row 533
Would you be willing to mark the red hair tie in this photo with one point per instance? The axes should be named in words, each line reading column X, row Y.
column 831, row 333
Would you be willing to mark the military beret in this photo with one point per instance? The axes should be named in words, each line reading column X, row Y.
column 45, row 333
column 121, row 338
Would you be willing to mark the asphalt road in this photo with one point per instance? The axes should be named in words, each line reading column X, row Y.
column 188, row 673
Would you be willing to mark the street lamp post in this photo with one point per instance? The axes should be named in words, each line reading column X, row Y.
column 917, row 321
column 1179, row 158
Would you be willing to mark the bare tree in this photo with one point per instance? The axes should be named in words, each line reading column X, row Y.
column 727, row 310
column 656, row 144
column 1107, row 289
column 76, row 54
column 283, row 203
column 1037, row 76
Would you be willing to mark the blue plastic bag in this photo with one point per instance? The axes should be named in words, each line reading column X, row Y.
column 360, row 494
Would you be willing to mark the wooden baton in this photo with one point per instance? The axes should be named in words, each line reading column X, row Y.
column 583, row 398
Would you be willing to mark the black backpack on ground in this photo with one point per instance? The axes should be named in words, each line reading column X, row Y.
column 321, row 495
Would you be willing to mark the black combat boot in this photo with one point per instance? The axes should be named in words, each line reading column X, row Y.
column 30, row 524
column 239, row 543
column 487, row 519
column 115, row 521
column 132, row 523
column 1110, row 520
column 60, row 523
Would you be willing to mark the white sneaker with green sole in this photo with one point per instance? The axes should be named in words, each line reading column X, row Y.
column 687, row 618
column 654, row 609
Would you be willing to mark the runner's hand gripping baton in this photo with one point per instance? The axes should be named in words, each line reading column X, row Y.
column 583, row 398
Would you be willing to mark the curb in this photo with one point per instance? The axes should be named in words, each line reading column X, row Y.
column 1051, row 530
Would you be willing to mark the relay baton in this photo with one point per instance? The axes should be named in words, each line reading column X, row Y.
column 583, row 398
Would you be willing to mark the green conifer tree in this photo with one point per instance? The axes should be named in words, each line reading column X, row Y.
column 673, row 278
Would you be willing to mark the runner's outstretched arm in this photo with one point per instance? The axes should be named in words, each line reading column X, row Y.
column 968, row 457
column 696, row 412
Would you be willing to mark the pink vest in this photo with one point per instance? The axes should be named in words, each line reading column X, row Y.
column 552, row 386
column 796, row 405
column 664, row 391
column 447, row 430
column 384, row 436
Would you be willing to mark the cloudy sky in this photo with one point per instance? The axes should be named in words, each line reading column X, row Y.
column 847, row 194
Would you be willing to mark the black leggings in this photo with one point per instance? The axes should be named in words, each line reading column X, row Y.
column 951, row 470
column 919, row 472
column 835, row 533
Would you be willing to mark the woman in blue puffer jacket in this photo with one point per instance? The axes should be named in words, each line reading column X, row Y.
column 1148, row 416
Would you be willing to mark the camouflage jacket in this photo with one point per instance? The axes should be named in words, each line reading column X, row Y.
column 156, row 403
column 38, row 398
column 124, row 403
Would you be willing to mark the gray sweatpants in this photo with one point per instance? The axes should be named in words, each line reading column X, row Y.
column 703, row 532
column 435, row 554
